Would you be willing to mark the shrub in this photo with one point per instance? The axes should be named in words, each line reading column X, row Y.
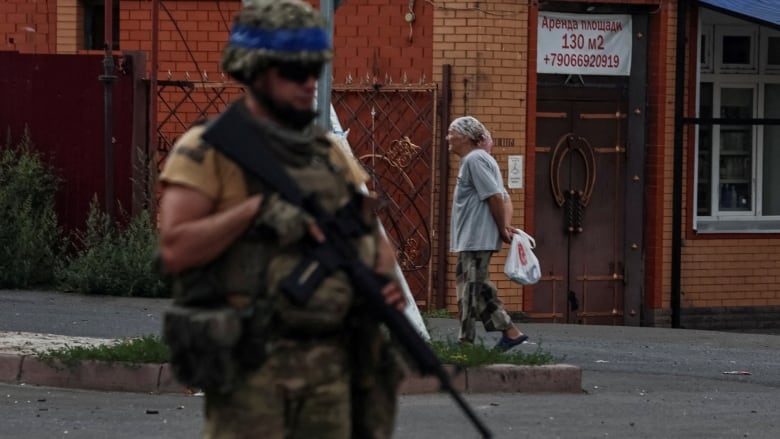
column 30, row 238
column 113, row 259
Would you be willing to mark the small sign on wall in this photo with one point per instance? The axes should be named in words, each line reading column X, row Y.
column 515, row 173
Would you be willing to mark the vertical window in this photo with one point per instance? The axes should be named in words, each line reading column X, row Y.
column 736, row 151
column 771, row 153
column 704, row 183
column 94, row 24
column 705, row 49
column 771, row 52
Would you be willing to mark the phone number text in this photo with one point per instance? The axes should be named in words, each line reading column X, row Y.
column 582, row 60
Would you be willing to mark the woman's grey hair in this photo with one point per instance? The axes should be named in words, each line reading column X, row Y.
column 474, row 130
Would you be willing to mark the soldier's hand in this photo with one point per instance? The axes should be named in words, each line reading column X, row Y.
column 394, row 295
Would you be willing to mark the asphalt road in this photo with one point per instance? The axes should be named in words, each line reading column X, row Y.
column 650, row 383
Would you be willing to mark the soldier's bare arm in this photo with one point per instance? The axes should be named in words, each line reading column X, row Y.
column 191, row 234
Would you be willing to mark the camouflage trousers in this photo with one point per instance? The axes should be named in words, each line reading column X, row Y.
column 305, row 390
column 301, row 391
column 477, row 296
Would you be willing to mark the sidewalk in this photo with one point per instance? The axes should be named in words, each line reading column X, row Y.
column 33, row 322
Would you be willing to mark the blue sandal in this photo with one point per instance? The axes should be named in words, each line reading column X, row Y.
column 507, row 343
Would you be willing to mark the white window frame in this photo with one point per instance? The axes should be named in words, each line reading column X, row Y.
column 766, row 68
column 750, row 31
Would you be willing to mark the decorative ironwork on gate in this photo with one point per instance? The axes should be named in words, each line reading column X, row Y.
column 390, row 130
column 182, row 103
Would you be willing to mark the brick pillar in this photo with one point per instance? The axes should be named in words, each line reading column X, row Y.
column 69, row 26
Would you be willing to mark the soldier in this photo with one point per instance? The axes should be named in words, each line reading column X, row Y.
column 273, row 368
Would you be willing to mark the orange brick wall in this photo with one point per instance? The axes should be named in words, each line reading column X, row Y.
column 373, row 40
column 731, row 272
column 27, row 26
column 193, row 33
column 486, row 45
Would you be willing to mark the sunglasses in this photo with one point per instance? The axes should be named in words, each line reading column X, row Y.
column 298, row 72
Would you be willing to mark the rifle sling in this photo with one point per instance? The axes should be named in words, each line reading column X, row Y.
column 233, row 134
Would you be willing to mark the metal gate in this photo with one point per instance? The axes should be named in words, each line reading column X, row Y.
column 391, row 132
column 181, row 103
column 579, row 209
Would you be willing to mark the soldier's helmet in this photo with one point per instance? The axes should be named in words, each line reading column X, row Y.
column 275, row 31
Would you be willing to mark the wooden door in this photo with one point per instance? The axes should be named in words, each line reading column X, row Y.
column 579, row 206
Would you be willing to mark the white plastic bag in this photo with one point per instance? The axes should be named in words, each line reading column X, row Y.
column 521, row 265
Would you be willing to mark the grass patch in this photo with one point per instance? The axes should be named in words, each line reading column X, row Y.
column 147, row 349
column 151, row 349
column 477, row 354
column 441, row 313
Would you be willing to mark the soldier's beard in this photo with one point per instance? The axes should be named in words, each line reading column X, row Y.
column 283, row 112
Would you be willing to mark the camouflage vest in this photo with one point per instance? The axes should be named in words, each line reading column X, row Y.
column 256, row 263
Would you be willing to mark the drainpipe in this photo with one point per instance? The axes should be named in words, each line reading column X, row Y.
column 151, row 155
column 108, row 79
column 325, row 82
column 444, row 176
column 679, row 95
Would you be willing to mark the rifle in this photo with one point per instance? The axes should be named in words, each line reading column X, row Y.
column 236, row 136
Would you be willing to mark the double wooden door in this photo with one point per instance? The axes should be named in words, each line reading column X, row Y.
column 580, row 162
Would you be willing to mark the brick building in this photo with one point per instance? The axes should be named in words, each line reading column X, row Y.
column 637, row 137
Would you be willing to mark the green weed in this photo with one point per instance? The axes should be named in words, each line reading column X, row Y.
column 477, row 354
column 143, row 350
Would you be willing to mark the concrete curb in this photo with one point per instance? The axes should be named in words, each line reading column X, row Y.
column 158, row 378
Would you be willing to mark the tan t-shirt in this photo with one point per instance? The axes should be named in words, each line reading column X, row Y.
column 200, row 167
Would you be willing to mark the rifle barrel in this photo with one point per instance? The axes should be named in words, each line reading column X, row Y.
column 408, row 337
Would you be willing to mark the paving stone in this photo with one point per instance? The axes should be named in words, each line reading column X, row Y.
column 94, row 375
column 415, row 384
column 10, row 367
column 562, row 378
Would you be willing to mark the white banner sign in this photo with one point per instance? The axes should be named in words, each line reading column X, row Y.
column 584, row 44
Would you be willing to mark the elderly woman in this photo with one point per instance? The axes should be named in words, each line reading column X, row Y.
column 481, row 217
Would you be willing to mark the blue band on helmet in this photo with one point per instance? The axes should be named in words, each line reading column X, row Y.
column 283, row 40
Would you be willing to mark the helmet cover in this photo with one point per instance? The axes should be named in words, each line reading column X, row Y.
column 275, row 31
